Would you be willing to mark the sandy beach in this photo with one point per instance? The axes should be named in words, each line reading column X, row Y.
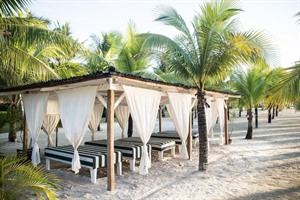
column 266, row 167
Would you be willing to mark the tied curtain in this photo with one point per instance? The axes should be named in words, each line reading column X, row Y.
column 122, row 114
column 143, row 105
column 35, row 109
column 51, row 118
column 49, row 124
column 221, row 105
column 179, row 107
column 95, row 119
column 76, row 106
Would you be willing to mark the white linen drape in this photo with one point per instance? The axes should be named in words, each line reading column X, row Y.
column 95, row 119
column 35, row 109
column 180, row 107
column 49, row 124
column 51, row 118
column 143, row 105
column 76, row 106
column 221, row 106
column 214, row 117
column 122, row 114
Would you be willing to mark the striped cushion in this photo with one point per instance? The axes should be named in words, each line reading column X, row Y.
column 157, row 144
column 89, row 156
column 172, row 135
column 128, row 149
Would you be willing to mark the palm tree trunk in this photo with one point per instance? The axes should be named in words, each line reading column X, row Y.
column 203, row 145
column 240, row 112
column 130, row 126
column 269, row 115
column 13, row 118
column 277, row 111
column 250, row 127
column 273, row 113
column 256, row 117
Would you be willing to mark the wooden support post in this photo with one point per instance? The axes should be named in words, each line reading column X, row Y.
column 25, row 135
column 190, row 137
column 226, row 124
column 56, row 136
column 110, row 140
column 160, row 118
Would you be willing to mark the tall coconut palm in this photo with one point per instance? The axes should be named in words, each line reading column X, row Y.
column 132, row 59
column 103, row 50
column 252, row 84
column 286, row 91
column 210, row 51
column 24, row 54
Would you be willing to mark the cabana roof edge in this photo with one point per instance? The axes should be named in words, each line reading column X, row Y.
column 95, row 78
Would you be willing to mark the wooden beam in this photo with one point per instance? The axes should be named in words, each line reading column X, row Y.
column 102, row 100
column 226, row 124
column 160, row 118
column 190, row 137
column 119, row 100
column 110, row 140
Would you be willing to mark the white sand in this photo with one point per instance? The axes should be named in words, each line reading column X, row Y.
column 266, row 167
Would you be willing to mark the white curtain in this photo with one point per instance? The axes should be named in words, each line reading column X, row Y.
column 122, row 114
column 180, row 107
column 95, row 119
column 51, row 118
column 35, row 109
column 76, row 106
column 143, row 105
column 49, row 124
column 214, row 117
column 221, row 106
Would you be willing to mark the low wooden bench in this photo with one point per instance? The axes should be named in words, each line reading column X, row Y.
column 158, row 144
column 131, row 151
column 90, row 157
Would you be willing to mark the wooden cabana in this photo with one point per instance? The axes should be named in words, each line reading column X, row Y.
column 111, row 89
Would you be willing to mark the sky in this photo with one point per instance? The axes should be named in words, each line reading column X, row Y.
column 274, row 17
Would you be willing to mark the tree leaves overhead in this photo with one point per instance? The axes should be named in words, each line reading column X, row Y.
column 213, row 48
column 13, row 7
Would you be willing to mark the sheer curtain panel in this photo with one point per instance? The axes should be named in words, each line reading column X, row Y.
column 221, row 106
column 51, row 118
column 76, row 106
column 95, row 119
column 122, row 114
column 180, row 108
column 35, row 109
column 143, row 105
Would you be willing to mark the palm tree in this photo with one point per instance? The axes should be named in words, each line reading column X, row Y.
column 11, row 7
column 208, row 53
column 252, row 84
column 25, row 53
column 286, row 91
column 19, row 179
column 103, row 51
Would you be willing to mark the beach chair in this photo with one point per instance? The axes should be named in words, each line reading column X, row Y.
column 172, row 134
column 158, row 144
column 131, row 151
column 90, row 157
